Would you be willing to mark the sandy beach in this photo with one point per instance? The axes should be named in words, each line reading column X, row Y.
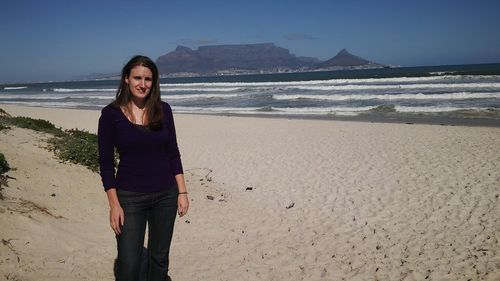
column 271, row 199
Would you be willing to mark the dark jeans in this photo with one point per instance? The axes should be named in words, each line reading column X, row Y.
column 159, row 210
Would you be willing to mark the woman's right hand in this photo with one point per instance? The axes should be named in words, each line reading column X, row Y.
column 116, row 218
column 116, row 215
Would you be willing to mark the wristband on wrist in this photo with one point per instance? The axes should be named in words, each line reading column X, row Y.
column 185, row 192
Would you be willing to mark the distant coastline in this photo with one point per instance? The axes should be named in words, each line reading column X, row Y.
column 267, row 71
column 492, row 68
column 344, row 72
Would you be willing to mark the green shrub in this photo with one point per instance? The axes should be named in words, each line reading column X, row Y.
column 3, row 127
column 30, row 123
column 4, row 166
column 78, row 147
column 36, row 125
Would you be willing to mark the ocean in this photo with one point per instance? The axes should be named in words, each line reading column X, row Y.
column 406, row 90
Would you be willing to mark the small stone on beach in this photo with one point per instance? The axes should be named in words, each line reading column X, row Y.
column 289, row 206
column 210, row 197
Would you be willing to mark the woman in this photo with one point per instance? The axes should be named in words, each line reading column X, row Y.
column 148, row 186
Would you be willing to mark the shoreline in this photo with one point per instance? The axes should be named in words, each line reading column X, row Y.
column 378, row 118
column 443, row 119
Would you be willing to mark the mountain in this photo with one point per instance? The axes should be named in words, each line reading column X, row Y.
column 344, row 59
column 249, row 59
column 241, row 57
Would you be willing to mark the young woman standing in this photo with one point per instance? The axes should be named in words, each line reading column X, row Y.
column 148, row 186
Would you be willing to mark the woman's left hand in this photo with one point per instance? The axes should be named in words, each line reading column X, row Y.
column 182, row 204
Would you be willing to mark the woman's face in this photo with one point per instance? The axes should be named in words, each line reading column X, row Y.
column 140, row 82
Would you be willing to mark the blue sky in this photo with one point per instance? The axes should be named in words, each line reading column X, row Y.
column 58, row 40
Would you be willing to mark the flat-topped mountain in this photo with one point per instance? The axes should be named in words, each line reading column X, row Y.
column 248, row 58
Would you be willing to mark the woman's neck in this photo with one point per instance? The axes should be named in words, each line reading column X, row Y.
column 139, row 104
column 136, row 112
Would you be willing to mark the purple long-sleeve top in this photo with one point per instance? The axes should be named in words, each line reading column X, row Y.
column 149, row 160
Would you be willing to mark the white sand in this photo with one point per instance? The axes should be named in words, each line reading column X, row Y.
column 370, row 202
